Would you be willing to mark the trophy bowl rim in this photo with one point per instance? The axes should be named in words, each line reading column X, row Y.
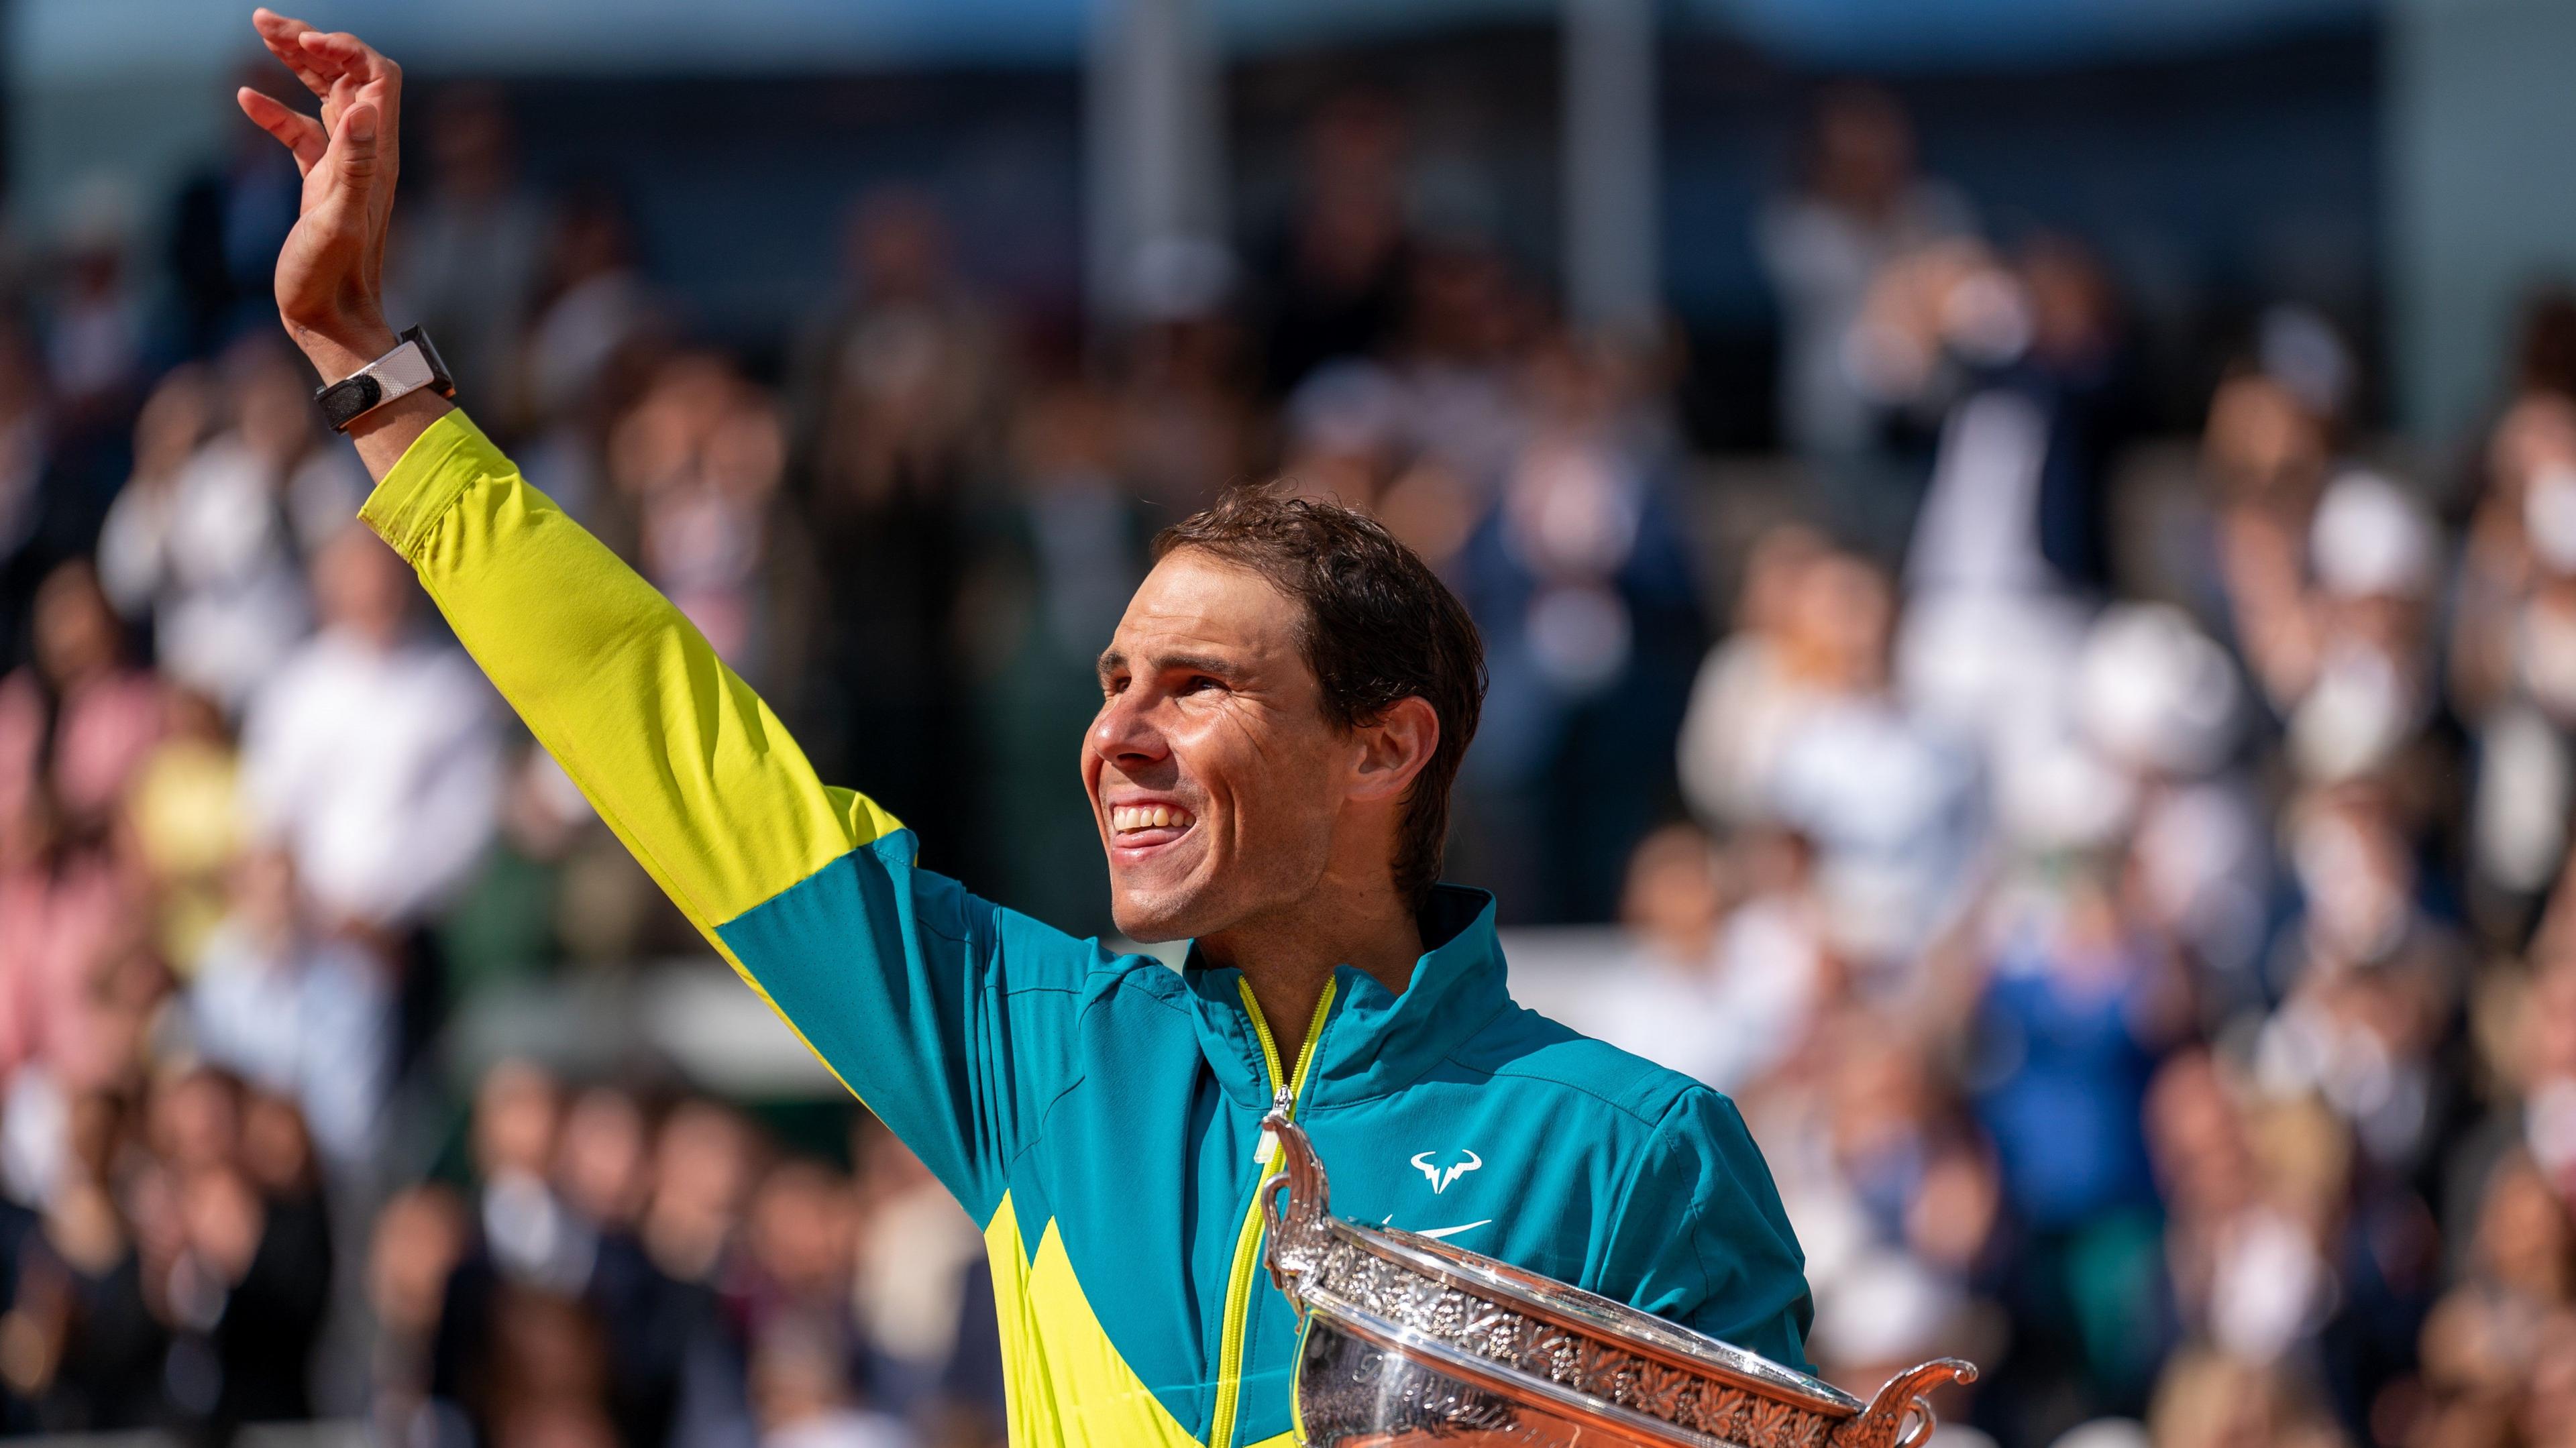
column 1502, row 1380
column 1593, row 1316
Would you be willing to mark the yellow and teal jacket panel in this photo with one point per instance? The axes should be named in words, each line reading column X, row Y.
column 1099, row 1114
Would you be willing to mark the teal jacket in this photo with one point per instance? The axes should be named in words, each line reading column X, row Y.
column 1098, row 1114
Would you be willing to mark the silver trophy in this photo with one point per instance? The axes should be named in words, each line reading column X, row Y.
column 1405, row 1341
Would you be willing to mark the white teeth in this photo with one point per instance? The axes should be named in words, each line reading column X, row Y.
column 1125, row 817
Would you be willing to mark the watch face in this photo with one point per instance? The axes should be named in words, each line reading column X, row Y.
column 438, row 376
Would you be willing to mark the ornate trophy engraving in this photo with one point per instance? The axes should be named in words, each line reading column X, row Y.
column 1406, row 1341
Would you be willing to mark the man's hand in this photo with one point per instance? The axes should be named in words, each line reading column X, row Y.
column 330, row 273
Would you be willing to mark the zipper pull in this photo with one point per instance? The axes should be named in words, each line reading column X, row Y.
column 1284, row 1103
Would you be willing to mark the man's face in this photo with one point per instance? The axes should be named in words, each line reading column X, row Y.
column 1215, row 778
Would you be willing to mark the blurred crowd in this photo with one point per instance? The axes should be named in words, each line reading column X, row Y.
column 2120, row 879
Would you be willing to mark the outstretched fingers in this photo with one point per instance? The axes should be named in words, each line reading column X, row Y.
column 358, row 72
column 283, row 35
column 340, row 55
column 295, row 130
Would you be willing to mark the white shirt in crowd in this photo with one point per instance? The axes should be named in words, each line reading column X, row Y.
column 378, row 769
column 1822, row 259
column 311, row 1020
column 216, row 558
column 1723, row 1021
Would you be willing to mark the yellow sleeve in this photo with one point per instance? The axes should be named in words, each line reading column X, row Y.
column 682, row 759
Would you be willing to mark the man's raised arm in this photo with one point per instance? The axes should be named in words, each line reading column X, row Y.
column 892, row 978
column 668, row 742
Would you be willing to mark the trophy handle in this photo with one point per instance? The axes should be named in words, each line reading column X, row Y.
column 1296, row 1234
column 1900, row 1417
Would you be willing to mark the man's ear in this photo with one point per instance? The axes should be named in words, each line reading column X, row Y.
column 1394, row 748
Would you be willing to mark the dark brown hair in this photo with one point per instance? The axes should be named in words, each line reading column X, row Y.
column 1378, row 626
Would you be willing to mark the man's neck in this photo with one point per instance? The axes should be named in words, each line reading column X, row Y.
column 1287, row 957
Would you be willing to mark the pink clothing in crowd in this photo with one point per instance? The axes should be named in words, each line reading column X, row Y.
column 61, row 930
column 107, row 727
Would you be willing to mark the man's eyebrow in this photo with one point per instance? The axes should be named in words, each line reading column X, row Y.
column 1111, row 661
column 1193, row 664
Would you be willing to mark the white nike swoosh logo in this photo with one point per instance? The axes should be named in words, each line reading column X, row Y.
column 1436, row 1233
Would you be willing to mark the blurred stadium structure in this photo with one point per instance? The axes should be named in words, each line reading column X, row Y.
column 2029, row 550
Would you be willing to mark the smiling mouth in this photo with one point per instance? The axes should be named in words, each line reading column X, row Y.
column 1133, row 826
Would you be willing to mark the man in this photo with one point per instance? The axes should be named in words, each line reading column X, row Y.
column 306, row 1014
column 1284, row 706
column 368, row 721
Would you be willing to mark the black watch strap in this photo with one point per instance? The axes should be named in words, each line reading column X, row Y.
column 412, row 365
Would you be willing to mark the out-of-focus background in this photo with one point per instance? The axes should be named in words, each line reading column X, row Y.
column 2028, row 550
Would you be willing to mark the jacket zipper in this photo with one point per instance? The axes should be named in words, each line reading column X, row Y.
column 1247, row 1244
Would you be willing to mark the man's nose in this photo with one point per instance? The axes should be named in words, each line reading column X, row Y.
column 1126, row 729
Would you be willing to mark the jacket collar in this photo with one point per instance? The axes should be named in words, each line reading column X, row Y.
column 1373, row 1040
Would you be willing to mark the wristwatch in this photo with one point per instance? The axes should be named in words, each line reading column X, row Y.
column 405, row 370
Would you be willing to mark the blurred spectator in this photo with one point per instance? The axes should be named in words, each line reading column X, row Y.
column 2214, row 1400
column 1754, row 687
column 812, row 1364
column 86, row 1348
column 39, row 526
column 1728, row 972
column 1340, row 264
column 1590, row 610
column 507, row 1312
column 900, row 383
column 895, row 405
column 1054, row 573
column 2511, row 631
column 2079, row 1003
column 2351, row 663
column 803, row 1396
column 467, row 249
column 307, row 1016
column 2362, row 929
column 1860, row 205
column 936, row 1358
column 1469, row 323
column 1189, row 417
column 210, row 542
column 94, row 335
column 1345, row 430
column 2484, row 1342
column 2329, row 570
column 229, row 222
column 593, row 305
column 77, row 721
column 2029, row 350
column 420, row 1235
column 2023, row 360
column 2245, row 1231
column 648, row 1324
column 1810, row 735
column 600, row 1161
column 2160, row 706
column 73, row 978
column 371, row 755
column 183, row 814
column 684, row 1376
column 254, row 1277
column 1893, row 1193
column 697, row 464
